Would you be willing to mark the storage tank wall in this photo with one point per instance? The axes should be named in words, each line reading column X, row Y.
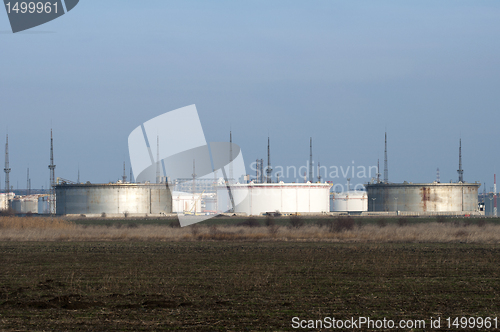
column 43, row 205
column 423, row 197
column 285, row 198
column 356, row 201
column 112, row 199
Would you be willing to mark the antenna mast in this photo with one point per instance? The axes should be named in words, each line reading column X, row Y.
column 52, row 167
column 460, row 170
column 438, row 179
column 269, row 169
column 386, row 170
column 311, row 160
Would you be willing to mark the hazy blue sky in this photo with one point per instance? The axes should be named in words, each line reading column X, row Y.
column 340, row 71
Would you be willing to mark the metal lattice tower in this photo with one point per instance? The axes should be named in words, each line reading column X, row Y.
column 7, row 171
column 52, row 167
column 311, row 160
column 257, row 170
column 319, row 175
column 378, row 170
column 460, row 170
column 28, row 186
column 386, row 169
column 157, row 159
column 230, row 157
column 124, row 176
column 495, row 195
column 194, row 178
column 269, row 169
column 215, row 181
column 261, row 171
column 438, row 178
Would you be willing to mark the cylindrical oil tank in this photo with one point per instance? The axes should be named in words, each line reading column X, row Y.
column 210, row 203
column 423, row 197
column 489, row 204
column 25, row 204
column 186, row 203
column 5, row 199
column 43, row 204
column 355, row 201
column 259, row 198
column 113, row 198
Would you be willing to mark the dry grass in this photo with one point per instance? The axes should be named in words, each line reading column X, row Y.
column 57, row 229
column 11, row 222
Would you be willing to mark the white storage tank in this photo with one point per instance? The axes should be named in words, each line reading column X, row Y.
column 25, row 204
column 259, row 198
column 183, row 202
column 43, row 204
column 209, row 203
column 4, row 198
column 350, row 201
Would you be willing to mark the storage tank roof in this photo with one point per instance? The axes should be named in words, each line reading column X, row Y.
column 96, row 185
column 410, row 184
column 279, row 185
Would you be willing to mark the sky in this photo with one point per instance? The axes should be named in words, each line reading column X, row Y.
column 341, row 72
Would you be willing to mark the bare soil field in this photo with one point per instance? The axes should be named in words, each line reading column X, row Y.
column 244, row 275
column 239, row 286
